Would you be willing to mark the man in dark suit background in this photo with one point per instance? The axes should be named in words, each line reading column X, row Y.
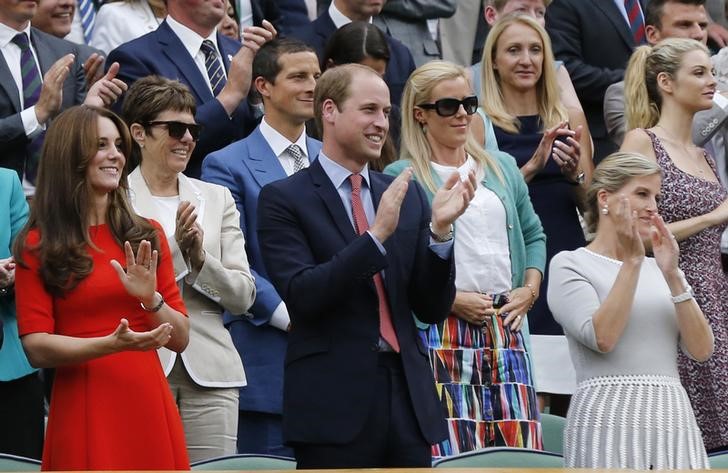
column 342, row 12
column 285, row 73
column 179, row 49
column 594, row 40
column 61, row 80
column 354, row 253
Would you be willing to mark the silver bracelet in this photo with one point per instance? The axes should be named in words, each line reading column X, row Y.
column 156, row 307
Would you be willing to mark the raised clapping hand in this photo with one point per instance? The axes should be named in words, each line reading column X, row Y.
column 124, row 338
column 107, row 90
column 140, row 277
column 567, row 154
column 189, row 234
column 625, row 223
column 547, row 148
column 385, row 222
column 664, row 246
column 451, row 200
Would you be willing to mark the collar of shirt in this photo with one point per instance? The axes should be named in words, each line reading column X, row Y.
column 7, row 34
column 339, row 18
column 338, row 174
column 191, row 40
column 623, row 10
column 279, row 143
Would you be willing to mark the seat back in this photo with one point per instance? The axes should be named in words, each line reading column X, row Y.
column 502, row 457
column 246, row 462
column 15, row 463
column 719, row 460
column 553, row 433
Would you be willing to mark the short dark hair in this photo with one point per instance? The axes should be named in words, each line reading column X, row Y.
column 653, row 10
column 265, row 63
column 354, row 42
column 335, row 84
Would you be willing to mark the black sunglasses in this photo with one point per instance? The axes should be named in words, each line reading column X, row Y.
column 449, row 106
column 177, row 130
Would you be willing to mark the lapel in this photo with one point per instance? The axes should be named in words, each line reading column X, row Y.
column 8, row 84
column 611, row 11
column 177, row 54
column 325, row 27
column 262, row 162
column 226, row 51
column 189, row 191
column 330, row 197
column 46, row 56
column 143, row 202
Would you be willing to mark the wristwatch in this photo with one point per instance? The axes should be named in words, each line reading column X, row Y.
column 441, row 238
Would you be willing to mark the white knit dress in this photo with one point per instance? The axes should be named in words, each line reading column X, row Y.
column 629, row 409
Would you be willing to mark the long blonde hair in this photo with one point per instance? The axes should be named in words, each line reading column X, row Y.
column 642, row 97
column 550, row 108
column 415, row 146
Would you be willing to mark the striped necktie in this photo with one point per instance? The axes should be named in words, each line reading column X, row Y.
column 214, row 67
column 386, row 327
column 32, row 84
column 636, row 23
column 87, row 12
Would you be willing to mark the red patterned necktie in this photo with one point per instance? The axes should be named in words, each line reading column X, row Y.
column 636, row 23
column 386, row 329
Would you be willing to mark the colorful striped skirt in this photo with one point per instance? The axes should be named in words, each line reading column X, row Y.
column 484, row 382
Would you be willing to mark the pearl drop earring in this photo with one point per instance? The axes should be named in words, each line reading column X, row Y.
column 605, row 210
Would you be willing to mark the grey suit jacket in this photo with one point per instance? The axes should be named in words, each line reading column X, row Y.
column 49, row 49
column 716, row 10
column 224, row 283
column 406, row 20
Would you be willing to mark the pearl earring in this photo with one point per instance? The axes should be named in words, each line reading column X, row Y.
column 605, row 210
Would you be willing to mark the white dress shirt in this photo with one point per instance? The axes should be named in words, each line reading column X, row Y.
column 623, row 11
column 193, row 44
column 279, row 144
column 339, row 18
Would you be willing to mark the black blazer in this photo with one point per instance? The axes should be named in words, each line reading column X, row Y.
column 323, row 271
column 595, row 43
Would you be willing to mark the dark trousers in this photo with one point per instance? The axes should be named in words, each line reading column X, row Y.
column 391, row 437
column 22, row 416
column 261, row 433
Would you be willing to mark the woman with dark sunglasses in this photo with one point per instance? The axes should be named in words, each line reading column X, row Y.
column 479, row 354
column 201, row 224
column 525, row 117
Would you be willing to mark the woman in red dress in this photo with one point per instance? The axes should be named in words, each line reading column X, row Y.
column 96, row 296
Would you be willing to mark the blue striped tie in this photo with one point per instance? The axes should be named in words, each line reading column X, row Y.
column 214, row 67
column 32, row 84
column 88, row 18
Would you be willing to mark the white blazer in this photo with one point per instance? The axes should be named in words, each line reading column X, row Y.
column 223, row 283
column 119, row 22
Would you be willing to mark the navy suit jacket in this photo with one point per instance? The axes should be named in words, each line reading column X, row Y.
column 245, row 167
column 161, row 52
column 286, row 15
column 400, row 66
column 595, row 43
column 323, row 270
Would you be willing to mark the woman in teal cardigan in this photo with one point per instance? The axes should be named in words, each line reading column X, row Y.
column 21, row 391
column 480, row 353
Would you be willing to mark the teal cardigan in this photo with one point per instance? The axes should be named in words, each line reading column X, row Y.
column 526, row 239
column 13, row 214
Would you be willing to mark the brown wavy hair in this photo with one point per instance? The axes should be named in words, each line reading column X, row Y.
column 61, row 208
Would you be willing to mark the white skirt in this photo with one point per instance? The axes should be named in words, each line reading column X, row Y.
column 553, row 370
column 635, row 421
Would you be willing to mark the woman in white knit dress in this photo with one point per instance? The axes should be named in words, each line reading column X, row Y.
column 625, row 315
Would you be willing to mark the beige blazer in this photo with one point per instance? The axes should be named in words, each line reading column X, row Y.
column 223, row 283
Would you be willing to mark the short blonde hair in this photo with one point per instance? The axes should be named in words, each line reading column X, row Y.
column 611, row 175
column 550, row 108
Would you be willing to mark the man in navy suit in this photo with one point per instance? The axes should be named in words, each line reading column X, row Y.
column 354, row 254
column 176, row 50
column 285, row 72
column 579, row 31
column 342, row 12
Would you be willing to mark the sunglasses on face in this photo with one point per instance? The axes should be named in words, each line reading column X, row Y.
column 449, row 106
column 177, row 130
